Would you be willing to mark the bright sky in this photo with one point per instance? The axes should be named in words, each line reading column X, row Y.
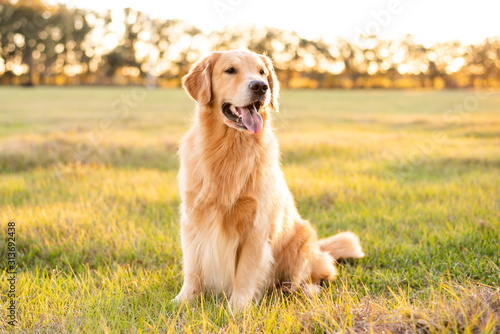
column 428, row 20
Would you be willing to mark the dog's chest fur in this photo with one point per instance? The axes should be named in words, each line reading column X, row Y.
column 220, row 192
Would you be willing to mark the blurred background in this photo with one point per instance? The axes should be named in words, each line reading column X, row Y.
column 314, row 44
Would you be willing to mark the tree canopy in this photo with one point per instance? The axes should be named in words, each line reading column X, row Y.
column 54, row 44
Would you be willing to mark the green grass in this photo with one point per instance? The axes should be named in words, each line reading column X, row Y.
column 92, row 187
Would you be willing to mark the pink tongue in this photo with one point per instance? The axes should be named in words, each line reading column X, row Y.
column 251, row 119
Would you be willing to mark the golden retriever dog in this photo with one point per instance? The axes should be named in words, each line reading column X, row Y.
column 240, row 230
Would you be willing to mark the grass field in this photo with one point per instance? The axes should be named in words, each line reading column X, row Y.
column 89, row 177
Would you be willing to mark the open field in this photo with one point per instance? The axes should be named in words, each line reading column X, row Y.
column 89, row 177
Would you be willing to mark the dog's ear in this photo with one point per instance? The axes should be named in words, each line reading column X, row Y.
column 273, row 82
column 198, row 82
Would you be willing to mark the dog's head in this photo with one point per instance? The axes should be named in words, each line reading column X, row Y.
column 240, row 86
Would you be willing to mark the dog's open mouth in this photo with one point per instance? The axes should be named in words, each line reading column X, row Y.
column 247, row 117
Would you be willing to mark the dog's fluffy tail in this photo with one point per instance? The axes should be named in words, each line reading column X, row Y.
column 344, row 245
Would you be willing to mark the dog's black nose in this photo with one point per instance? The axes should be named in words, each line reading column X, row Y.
column 259, row 87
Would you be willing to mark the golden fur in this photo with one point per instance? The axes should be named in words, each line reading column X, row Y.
column 240, row 229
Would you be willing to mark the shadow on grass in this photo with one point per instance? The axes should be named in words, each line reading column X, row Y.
column 441, row 169
column 310, row 155
column 26, row 156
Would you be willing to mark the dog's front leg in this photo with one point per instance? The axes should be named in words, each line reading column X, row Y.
column 191, row 268
column 252, row 271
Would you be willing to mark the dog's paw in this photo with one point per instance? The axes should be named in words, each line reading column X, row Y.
column 182, row 298
column 187, row 294
column 238, row 302
column 179, row 299
column 310, row 290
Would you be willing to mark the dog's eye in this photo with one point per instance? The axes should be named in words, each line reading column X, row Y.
column 230, row 70
column 262, row 72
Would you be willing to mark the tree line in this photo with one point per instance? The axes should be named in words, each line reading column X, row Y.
column 42, row 44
